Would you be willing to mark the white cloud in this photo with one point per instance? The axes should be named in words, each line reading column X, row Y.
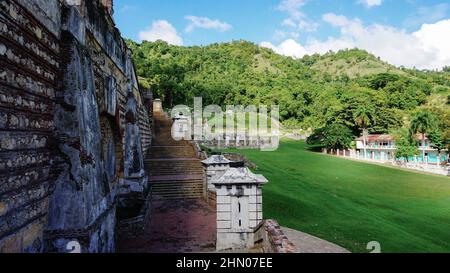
column 288, row 48
column 283, row 35
column 426, row 48
column 370, row 3
column 297, row 19
column 161, row 30
column 206, row 23
column 335, row 20
column 435, row 38
column 292, row 7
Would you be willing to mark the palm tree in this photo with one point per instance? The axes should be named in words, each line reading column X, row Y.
column 422, row 123
column 363, row 118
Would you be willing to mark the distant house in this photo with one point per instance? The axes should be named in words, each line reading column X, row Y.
column 382, row 148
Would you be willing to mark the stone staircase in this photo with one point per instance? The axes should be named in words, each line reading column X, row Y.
column 175, row 171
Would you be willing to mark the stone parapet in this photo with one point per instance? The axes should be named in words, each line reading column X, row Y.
column 270, row 238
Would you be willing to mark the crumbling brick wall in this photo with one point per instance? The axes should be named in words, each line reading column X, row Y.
column 29, row 50
column 66, row 77
column 270, row 238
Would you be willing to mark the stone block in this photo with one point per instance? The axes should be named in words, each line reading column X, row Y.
column 223, row 199
column 253, row 223
column 223, row 216
column 255, row 207
column 250, row 190
column 223, row 225
column 255, row 215
column 222, row 191
column 223, row 208
column 234, row 240
column 255, row 199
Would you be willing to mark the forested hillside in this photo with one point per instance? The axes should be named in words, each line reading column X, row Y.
column 312, row 92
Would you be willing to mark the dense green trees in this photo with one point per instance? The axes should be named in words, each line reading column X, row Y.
column 422, row 123
column 335, row 136
column 363, row 118
column 406, row 145
column 313, row 92
column 438, row 141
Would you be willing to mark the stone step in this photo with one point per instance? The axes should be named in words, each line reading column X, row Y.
column 177, row 197
column 174, row 172
column 176, row 168
column 180, row 177
column 165, row 166
column 156, row 166
column 170, row 147
column 161, row 187
column 170, row 155
column 185, row 190
column 177, row 189
column 171, row 152
column 189, row 180
column 166, row 143
column 174, row 160
column 176, row 184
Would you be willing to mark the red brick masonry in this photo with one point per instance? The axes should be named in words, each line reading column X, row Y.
column 270, row 238
column 176, row 226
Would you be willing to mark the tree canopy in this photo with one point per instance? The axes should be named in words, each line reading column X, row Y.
column 312, row 92
column 335, row 136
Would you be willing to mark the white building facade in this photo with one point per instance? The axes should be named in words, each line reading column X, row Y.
column 382, row 148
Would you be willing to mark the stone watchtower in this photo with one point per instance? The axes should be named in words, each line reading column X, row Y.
column 215, row 166
column 239, row 208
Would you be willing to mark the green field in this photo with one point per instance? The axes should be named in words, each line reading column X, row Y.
column 351, row 203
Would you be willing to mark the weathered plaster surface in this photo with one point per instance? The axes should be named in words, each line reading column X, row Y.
column 66, row 142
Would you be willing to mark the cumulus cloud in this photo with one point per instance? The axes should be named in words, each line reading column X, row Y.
column 288, row 48
column 370, row 3
column 206, row 23
column 427, row 48
column 161, row 30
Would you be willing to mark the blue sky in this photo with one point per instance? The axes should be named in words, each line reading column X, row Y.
column 298, row 27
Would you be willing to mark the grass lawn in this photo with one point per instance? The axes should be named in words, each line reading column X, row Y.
column 352, row 203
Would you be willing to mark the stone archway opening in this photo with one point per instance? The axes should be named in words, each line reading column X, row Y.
column 112, row 152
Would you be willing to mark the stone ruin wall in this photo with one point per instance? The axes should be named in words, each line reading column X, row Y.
column 270, row 238
column 74, row 125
